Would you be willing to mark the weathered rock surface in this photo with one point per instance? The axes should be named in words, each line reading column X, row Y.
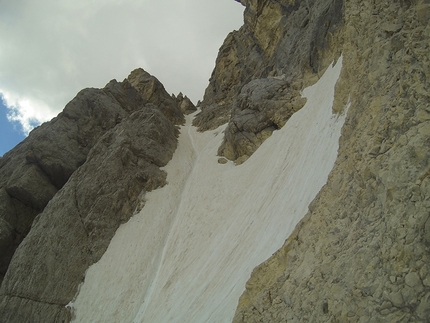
column 262, row 106
column 32, row 173
column 151, row 89
column 275, row 53
column 85, row 173
column 184, row 104
column 361, row 254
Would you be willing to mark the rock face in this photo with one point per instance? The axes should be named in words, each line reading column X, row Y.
column 80, row 176
column 261, row 69
column 361, row 254
column 32, row 173
column 184, row 104
column 262, row 106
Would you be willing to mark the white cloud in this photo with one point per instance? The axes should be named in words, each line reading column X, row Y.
column 50, row 49
column 29, row 113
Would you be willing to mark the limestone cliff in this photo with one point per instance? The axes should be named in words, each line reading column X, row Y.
column 79, row 177
column 361, row 254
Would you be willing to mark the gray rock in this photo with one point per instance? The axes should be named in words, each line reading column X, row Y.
column 222, row 161
column 282, row 46
column 31, row 186
column 185, row 104
column 238, row 50
column 263, row 105
column 412, row 279
column 36, row 169
column 80, row 176
column 151, row 88
column 75, row 228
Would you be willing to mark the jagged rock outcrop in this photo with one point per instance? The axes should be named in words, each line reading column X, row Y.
column 279, row 39
column 151, row 89
column 184, row 104
column 85, row 173
column 361, row 254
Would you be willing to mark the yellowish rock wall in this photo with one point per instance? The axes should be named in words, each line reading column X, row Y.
column 361, row 254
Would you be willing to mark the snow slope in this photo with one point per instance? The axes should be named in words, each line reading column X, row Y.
column 187, row 255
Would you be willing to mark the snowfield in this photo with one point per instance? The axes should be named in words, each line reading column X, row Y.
column 187, row 255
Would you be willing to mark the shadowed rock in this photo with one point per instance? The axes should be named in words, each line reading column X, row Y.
column 80, row 176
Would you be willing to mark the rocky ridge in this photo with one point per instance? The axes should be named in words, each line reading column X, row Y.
column 121, row 135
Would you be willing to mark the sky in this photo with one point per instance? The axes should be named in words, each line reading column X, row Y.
column 50, row 50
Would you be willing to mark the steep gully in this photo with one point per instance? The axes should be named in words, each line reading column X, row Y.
column 188, row 254
column 188, row 140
